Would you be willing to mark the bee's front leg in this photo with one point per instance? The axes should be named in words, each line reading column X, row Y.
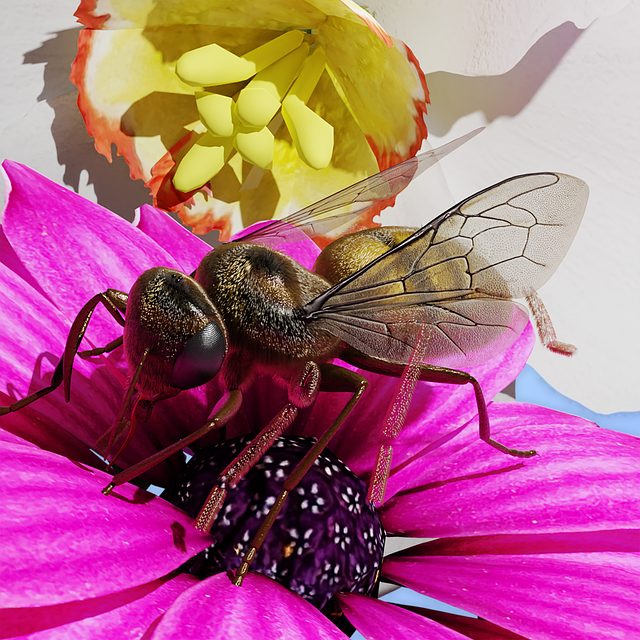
column 226, row 408
column 115, row 302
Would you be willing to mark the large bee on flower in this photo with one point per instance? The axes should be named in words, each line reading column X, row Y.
column 377, row 298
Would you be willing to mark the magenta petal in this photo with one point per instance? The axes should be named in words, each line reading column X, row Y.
column 261, row 608
column 10, row 438
column 583, row 479
column 186, row 248
column 469, row 627
column 435, row 409
column 293, row 242
column 67, row 541
column 9, row 259
column 72, row 247
column 572, row 586
column 33, row 333
column 126, row 614
column 376, row 619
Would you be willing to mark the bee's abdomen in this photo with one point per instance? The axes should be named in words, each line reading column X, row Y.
column 349, row 253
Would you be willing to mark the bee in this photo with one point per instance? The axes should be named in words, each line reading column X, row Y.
column 374, row 298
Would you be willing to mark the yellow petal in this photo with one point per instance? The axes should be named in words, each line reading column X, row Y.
column 275, row 15
column 368, row 73
column 148, row 112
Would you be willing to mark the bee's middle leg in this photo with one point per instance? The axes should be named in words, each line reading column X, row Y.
column 303, row 390
column 334, row 378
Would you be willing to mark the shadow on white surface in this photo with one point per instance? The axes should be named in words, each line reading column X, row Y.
column 455, row 96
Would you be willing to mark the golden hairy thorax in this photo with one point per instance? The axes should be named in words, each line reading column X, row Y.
column 259, row 292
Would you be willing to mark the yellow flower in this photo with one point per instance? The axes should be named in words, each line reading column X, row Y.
column 239, row 146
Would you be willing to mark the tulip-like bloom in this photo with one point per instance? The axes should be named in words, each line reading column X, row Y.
column 545, row 547
column 233, row 115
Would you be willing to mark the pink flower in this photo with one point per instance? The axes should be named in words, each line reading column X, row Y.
column 545, row 547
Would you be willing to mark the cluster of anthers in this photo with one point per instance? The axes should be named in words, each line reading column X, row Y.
column 284, row 72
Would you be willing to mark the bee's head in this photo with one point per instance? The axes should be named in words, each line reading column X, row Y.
column 170, row 314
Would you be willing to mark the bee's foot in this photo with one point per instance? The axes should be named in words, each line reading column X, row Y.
column 109, row 488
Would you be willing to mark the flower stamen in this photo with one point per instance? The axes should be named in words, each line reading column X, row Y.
column 247, row 124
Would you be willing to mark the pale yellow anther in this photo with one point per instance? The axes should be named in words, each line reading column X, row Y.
column 311, row 135
column 277, row 78
column 256, row 147
column 212, row 65
column 256, row 106
column 275, row 49
column 202, row 162
column 310, row 76
column 260, row 100
column 216, row 112
column 247, row 123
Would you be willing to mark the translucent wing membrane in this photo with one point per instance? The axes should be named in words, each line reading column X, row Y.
column 458, row 274
column 314, row 219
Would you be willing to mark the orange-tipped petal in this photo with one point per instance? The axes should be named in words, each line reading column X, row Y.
column 149, row 113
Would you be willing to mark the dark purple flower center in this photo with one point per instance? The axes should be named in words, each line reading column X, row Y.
column 326, row 539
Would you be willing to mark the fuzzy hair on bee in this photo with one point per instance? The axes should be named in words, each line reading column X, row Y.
column 375, row 298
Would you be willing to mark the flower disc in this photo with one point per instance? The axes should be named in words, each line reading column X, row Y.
column 327, row 537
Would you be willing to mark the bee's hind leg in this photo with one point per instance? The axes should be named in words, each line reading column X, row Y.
column 432, row 373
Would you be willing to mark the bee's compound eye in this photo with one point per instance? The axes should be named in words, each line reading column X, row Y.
column 200, row 358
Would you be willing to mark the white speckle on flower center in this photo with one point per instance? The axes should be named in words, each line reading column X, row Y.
column 326, row 538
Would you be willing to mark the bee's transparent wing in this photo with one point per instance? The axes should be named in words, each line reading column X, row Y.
column 315, row 220
column 458, row 274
